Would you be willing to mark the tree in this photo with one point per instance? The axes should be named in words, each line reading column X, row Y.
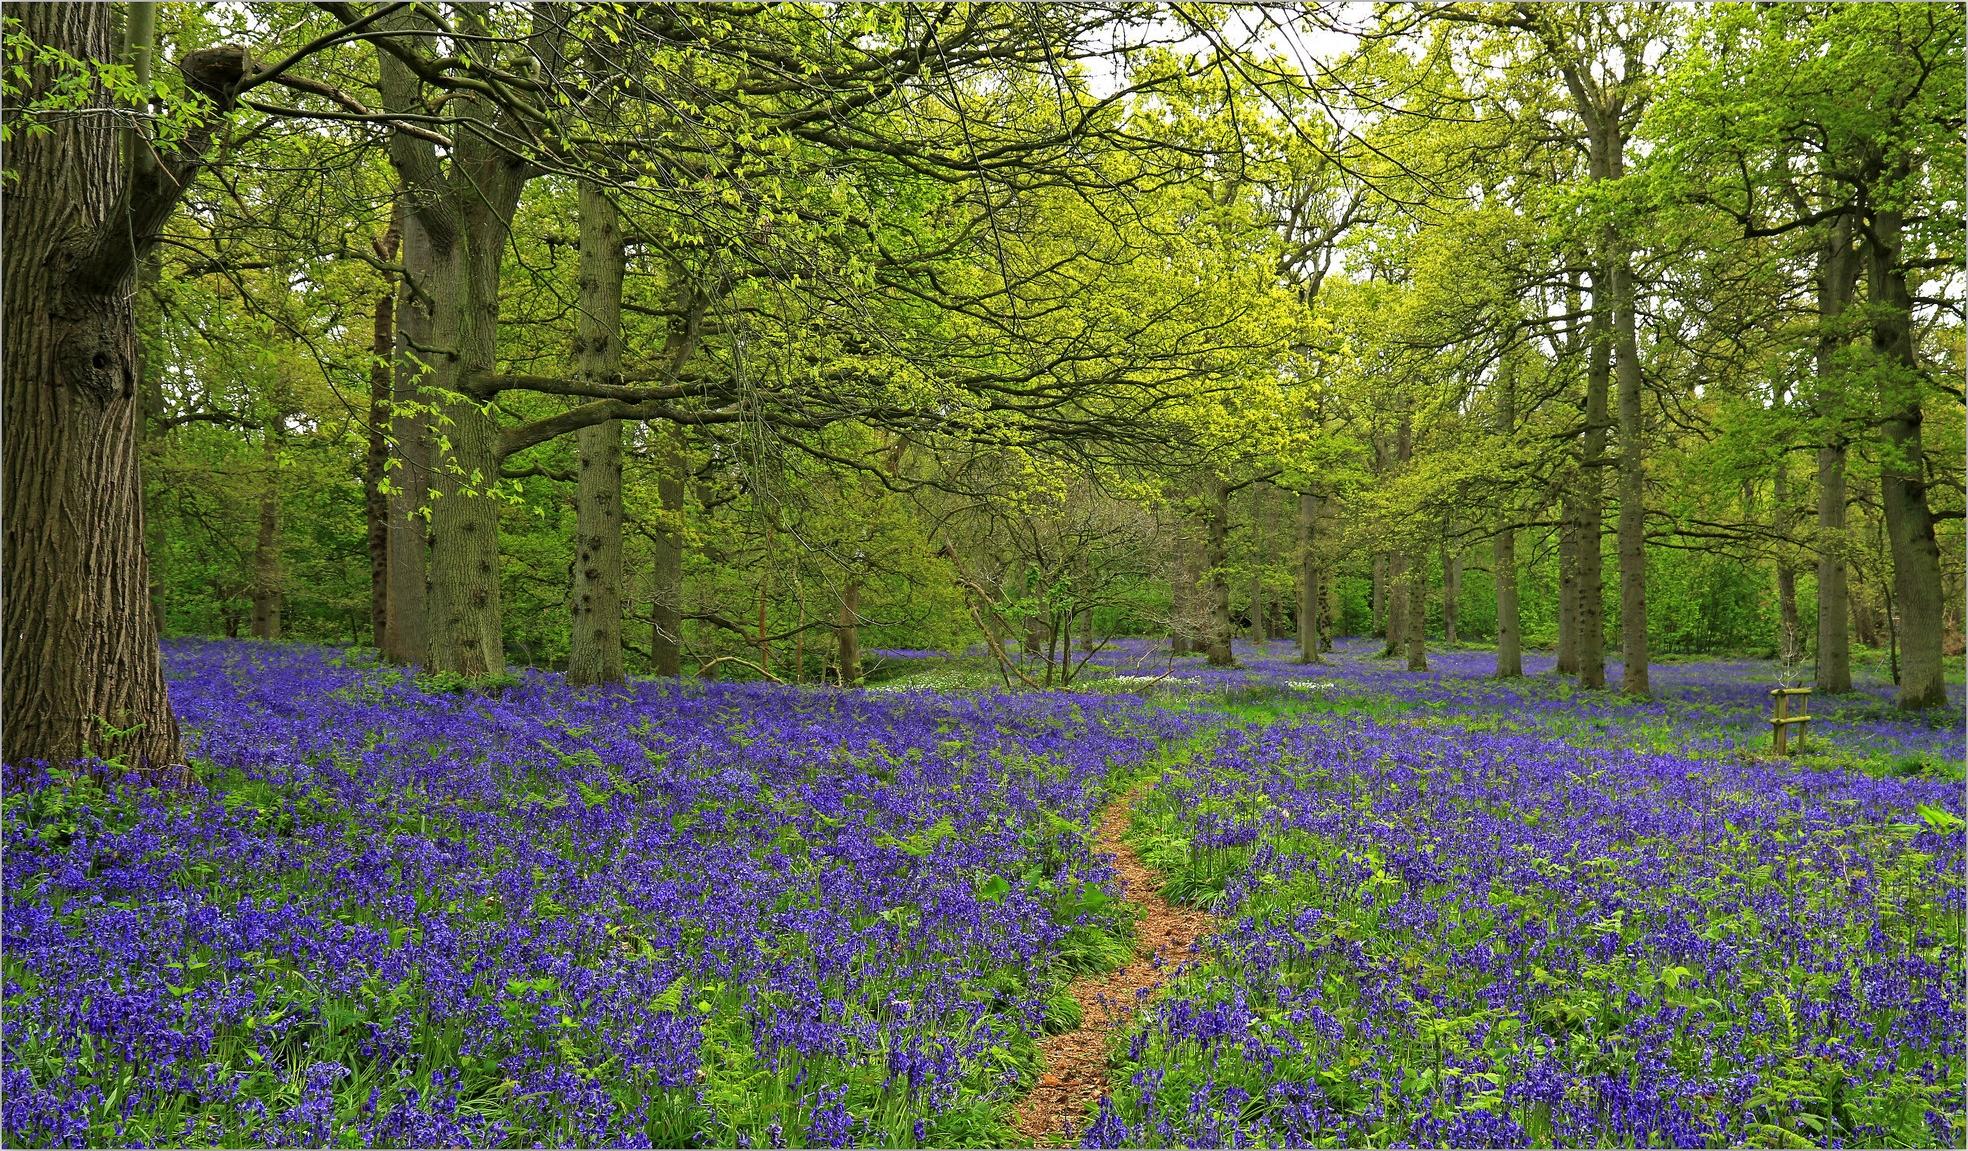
column 88, row 194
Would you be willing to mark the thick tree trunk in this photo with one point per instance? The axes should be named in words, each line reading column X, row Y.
column 79, row 659
column 1308, row 579
column 1510, row 628
column 1838, row 269
column 1258, row 634
column 463, row 202
column 1632, row 539
column 1591, row 506
column 1216, row 641
column 406, row 630
column 1568, row 581
column 1397, row 604
column 466, row 632
column 1451, row 593
column 1510, row 633
column 1417, row 612
column 1902, row 473
column 1379, row 610
column 666, row 567
column 267, row 582
column 847, row 634
column 594, row 653
column 375, row 469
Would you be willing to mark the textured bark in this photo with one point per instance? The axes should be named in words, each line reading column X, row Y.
column 1510, row 626
column 1590, row 637
column 80, row 663
column 267, row 583
column 1568, row 579
column 1397, row 604
column 847, row 633
column 1379, row 621
column 1632, row 537
column 1838, row 270
column 1451, row 593
column 1417, row 612
column 1401, row 601
column 406, row 625
column 666, row 599
column 466, row 635
column 1308, row 579
column 594, row 653
column 1790, row 638
column 1216, row 559
column 375, row 466
column 463, row 202
column 1902, row 473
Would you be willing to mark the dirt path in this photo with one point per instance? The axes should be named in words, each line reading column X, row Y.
column 1073, row 1065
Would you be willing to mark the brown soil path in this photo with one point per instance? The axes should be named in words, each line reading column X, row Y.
column 1073, row 1065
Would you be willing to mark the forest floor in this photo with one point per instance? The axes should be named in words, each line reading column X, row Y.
column 1276, row 904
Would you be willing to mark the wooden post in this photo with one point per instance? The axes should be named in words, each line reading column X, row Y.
column 1781, row 719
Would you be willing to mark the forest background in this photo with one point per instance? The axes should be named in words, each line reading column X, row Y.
column 750, row 340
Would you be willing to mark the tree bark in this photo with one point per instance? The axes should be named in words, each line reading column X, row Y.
column 1308, row 579
column 375, row 469
column 406, row 631
column 666, row 567
column 1632, row 531
column 1216, row 641
column 1510, row 634
column 80, row 662
column 463, row 201
column 466, row 632
column 1417, row 611
column 267, row 582
column 847, row 634
column 1902, row 473
column 594, row 653
column 1838, row 270
column 1451, row 593
column 1379, row 609
column 1591, row 634
column 1568, row 580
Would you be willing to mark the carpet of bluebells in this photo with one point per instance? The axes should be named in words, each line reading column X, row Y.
column 1480, row 934
column 1456, row 912
column 663, row 914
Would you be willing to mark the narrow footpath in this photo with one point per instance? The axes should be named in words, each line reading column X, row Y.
column 1073, row 1064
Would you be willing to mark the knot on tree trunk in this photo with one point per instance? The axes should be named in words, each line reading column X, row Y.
column 215, row 72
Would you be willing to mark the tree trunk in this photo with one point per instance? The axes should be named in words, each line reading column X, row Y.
column 1378, row 623
column 79, row 661
column 463, row 202
column 1591, row 634
column 1632, row 540
column 1182, row 584
column 1308, row 579
column 1397, row 604
column 1568, row 580
column 406, row 631
column 1838, row 270
column 1451, row 593
column 594, row 653
column 466, row 633
column 266, row 545
column 848, row 633
column 1216, row 641
column 1790, row 641
column 1902, row 473
column 1417, row 611
column 1510, row 634
column 666, row 566
column 375, row 468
